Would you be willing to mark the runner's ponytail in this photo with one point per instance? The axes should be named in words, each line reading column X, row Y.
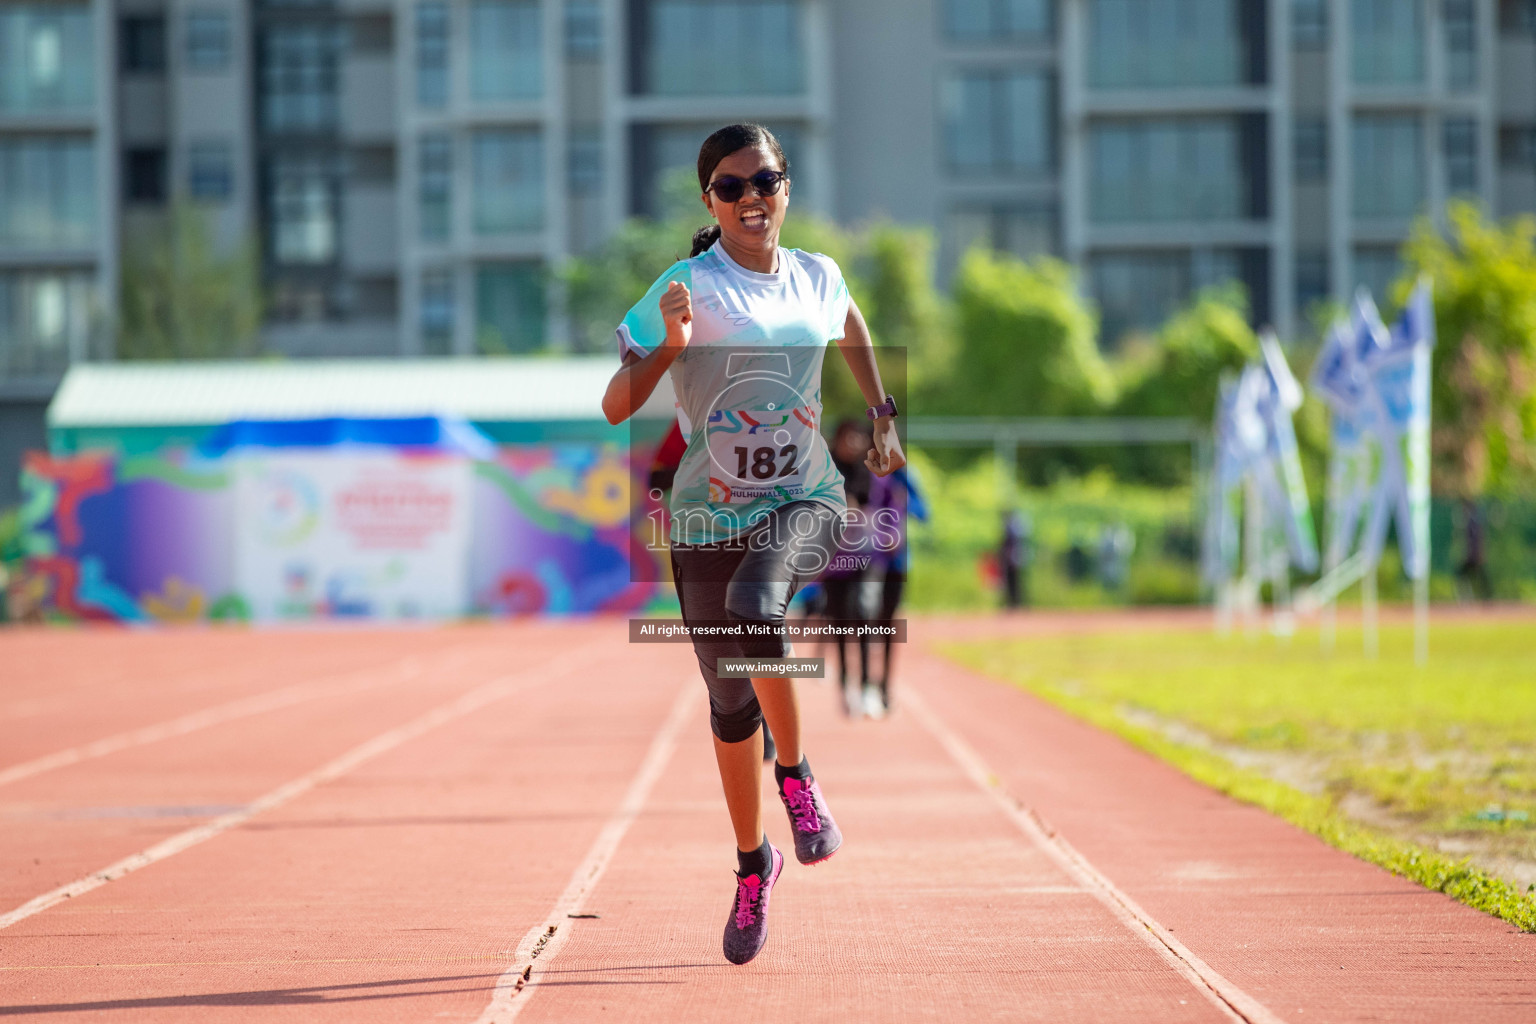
column 704, row 238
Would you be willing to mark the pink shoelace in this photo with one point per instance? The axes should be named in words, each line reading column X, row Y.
column 801, row 799
column 747, row 892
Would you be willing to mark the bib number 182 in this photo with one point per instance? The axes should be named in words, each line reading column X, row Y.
column 764, row 463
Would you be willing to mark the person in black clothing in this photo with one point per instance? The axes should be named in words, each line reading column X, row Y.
column 1474, row 561
column 845, row 580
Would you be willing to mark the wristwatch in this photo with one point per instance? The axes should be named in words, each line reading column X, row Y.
column 885, row 408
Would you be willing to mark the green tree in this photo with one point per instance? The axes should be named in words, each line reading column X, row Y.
column 1025, row 342
column 1484, row 380
column 1179, row 372
column 183, row 299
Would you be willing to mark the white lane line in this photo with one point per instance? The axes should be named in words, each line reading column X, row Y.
column 473, row 701
column 543, row 942
column 274, row 700
column 1232, row 1001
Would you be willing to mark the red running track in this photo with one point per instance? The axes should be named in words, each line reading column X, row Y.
column 381, row 826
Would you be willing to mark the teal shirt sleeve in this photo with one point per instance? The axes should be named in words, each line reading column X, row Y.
column 838, row 310
column 642, row 328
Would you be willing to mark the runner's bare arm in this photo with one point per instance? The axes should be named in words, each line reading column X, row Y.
column 637, row 376
column 886, row 456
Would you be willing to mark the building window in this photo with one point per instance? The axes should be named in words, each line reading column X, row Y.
column 1309, row 24
column 506, row 58
column 998, row 122
column 1312, row 284
column 586, row 163
column 44, row 318
column 1461, row 44
column 508, row 181
column 298, row 77
column 143, row 44
column 432, row 53
column 303, row 210
column 371, row 35
column 144, row 175
column 509, row 308
column 987, row 21
column 1388, row 152
column 437, row 312
column 1139, row 291
column 210, row 171
column 1159, row 43
column 1460, row 139
column 1195, row 169
column 1377, row 268
column 1311, row 146
column 1517, row 148
column 47, row 192
column 583, row 29
column 207, row 41
column 47, row 58
column 695, row 47
column 435, row 183
column 1388, row 41
column 1518, row 16
column 1025, row 231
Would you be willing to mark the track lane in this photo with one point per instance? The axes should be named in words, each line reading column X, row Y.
column 396, row 892
column 67, row 823
column 135, row 680
column 935, row 909
column 1311, row 932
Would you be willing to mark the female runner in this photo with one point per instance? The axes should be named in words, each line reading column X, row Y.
column 743, row 326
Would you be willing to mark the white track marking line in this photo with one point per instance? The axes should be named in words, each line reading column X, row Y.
column 543, row 942
column 245, row 706
column 1236, row 1004
column 472, row 701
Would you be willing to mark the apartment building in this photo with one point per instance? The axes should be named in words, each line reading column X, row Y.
column 414, row 169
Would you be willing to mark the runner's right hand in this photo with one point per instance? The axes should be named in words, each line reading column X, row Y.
column 677, row 311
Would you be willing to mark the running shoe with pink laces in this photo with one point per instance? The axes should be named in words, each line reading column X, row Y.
column 816, row 835
column 747, row 928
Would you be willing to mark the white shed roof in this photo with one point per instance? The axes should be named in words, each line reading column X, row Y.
column 485, row 389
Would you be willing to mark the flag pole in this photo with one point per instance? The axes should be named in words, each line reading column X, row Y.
column 1368, row 612
column 1421, row 619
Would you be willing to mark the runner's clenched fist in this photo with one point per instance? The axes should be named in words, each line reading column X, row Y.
column 677, row 313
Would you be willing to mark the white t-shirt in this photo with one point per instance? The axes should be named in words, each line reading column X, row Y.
column 748, row 387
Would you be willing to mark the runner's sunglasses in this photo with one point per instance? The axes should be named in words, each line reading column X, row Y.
column 729, row 189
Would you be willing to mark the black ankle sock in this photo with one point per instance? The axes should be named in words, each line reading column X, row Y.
column 758, row 862
column 801, row 771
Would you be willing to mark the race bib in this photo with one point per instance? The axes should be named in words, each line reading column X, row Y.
column 759, row 453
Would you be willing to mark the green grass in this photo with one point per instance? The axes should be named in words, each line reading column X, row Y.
column 1448, row 750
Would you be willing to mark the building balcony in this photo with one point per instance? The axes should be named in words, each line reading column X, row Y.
column 1180, row 234
column 1188, row 100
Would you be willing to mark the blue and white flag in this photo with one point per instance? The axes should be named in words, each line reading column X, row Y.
column 1397, row 369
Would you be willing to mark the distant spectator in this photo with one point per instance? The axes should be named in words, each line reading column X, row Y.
column 1078, row 562
column 1014, row 557
column 1473, row 569
column 1116, row 542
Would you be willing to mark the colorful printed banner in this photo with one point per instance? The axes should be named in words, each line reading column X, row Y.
column 351, row 534
column 184, row 538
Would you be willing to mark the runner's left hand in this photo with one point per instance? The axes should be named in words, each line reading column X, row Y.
column 886, row 456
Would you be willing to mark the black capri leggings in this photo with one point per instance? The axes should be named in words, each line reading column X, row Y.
column 749, row 579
